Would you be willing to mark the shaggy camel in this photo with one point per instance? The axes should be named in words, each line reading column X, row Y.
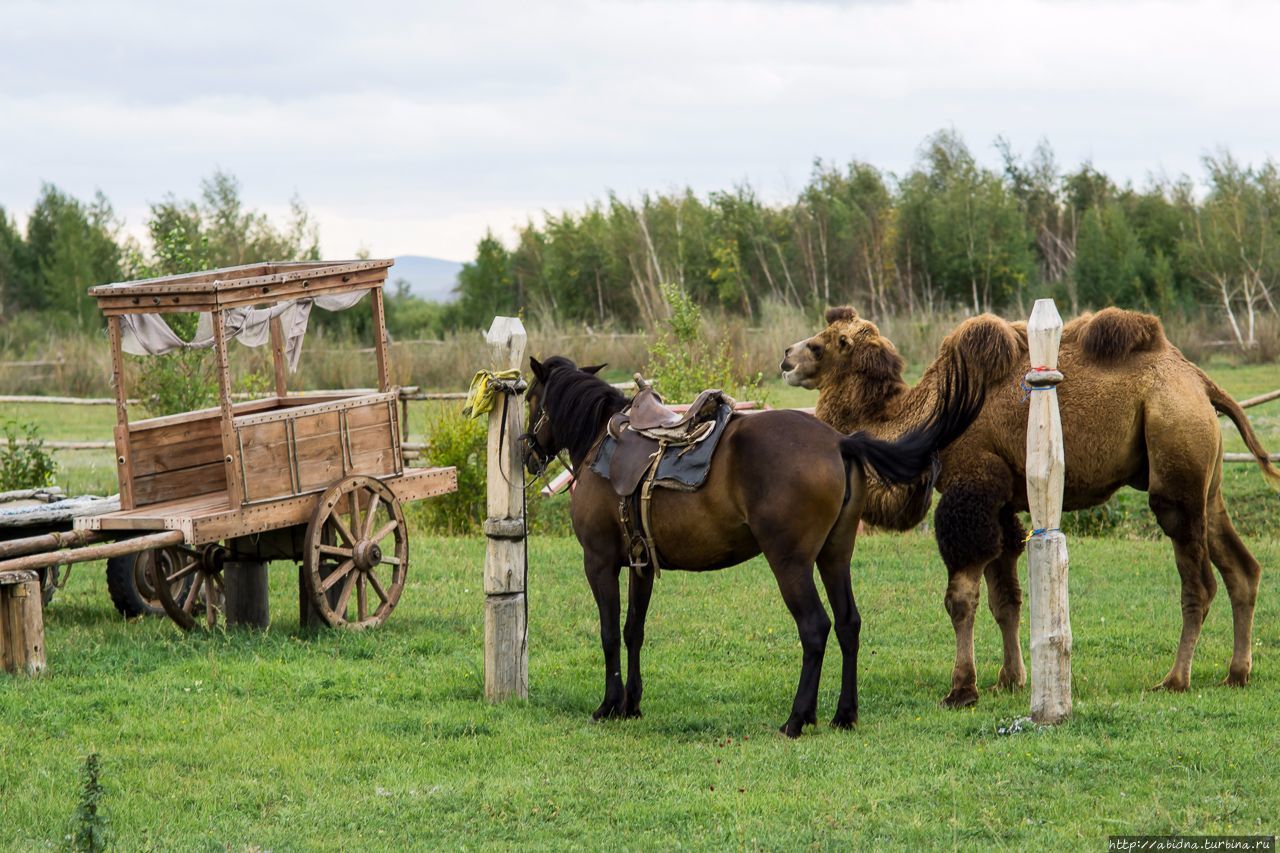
column 1135, row 412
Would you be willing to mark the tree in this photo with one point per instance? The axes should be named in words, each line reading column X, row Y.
column 14, row 264
column 484, row 285
column 1110, row 262
column 71, row 247
column 1231, row 243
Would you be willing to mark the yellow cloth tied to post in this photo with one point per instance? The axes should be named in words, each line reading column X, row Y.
column 481, row 396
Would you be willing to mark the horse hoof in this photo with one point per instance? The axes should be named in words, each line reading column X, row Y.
column 632, row 714
column 961, row 697
column 844, row 721
column 792, row 728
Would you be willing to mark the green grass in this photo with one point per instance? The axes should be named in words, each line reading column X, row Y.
column 381, row 740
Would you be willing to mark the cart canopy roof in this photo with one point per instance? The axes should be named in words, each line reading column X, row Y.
column 238, row 287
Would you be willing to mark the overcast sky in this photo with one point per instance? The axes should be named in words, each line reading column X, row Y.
column 410, row 128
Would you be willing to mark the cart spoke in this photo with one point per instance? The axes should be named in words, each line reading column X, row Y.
column 385, row 531
column 370, row 514
column 360, row 602
column 183, row 572
column 343, row 531
column 337, row 575
column 217, row 579
column 353, row 501
column 192, row 594
column 377, row 585
column 210, row 618
column 341, row 607
column 336, row 551
column 390, row 561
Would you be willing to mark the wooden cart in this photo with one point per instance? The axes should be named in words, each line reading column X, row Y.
column 211, row 496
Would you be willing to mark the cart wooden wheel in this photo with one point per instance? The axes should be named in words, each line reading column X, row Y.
column 357, row 543
column 192, row 590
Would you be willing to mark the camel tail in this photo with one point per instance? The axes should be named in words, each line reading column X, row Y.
column 1223, row 402
column 906, row 459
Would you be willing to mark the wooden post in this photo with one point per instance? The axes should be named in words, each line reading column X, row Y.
column 380, row 340
column 506, row 651
column 231, row 454
column 248, row 600
column 278, row 357
column 21, row 623
column 1047, row 551
column 124, row 460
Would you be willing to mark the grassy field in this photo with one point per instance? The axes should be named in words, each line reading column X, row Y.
column 382, row 741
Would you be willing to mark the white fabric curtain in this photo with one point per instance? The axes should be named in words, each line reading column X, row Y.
column 149, row 334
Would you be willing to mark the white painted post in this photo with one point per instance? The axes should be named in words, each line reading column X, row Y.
column 506, row 652
column 1047, row 551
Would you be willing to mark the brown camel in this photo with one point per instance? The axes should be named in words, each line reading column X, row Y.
column 1135, row 412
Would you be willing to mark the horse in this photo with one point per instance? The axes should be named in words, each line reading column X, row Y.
column 781, row 483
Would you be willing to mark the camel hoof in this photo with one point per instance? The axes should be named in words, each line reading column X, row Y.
column 1236, row 679
column 1007, row 682
column 1171, row 684
column 961, row 697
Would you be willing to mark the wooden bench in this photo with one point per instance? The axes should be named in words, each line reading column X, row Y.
column 21, row 623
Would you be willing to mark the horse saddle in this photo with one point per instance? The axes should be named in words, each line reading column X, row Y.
column 649, row 438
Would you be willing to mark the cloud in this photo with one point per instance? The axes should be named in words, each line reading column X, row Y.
column 410, row 127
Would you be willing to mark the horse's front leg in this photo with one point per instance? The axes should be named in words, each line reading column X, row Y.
column 639, row 591
column 602, row 575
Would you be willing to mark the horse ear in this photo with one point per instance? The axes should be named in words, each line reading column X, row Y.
column 538, row 371
column 595, row 368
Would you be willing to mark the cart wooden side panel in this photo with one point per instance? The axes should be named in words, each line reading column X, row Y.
column 306, row 449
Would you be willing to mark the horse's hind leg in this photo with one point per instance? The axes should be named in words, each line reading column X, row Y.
column 1004, row 597
column 639, row 591
column 794, row 573
column 833, row 567
column 602, row 575
column 1183, row 521
column 1241, row 574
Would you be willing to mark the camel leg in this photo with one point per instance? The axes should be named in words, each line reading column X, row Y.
column 1184, row 522
column 1004, row 598
column 833, row 567
column 639, row 591
column 602, row 575
column 961, row 602
column 1240, row 574
column 970, row 537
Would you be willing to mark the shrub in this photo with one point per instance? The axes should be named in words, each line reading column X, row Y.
column 454, row 439
column 684, row 360
column 24, row 463
column 89, row 826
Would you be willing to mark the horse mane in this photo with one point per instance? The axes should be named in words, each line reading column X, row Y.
column 577, row 405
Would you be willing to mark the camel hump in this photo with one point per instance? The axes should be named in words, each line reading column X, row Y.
column 1114, row 334
column 989, row 347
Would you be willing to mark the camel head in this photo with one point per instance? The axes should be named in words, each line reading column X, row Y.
column 848, row 348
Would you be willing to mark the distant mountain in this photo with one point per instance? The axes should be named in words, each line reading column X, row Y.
column 428, row 278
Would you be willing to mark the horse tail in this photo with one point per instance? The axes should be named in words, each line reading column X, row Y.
column 1223, row 402
column 907, row 458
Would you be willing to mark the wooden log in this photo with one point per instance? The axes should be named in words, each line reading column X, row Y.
column 47, row 542
column 1246, row 457
column 66, row 556
column 1047, row 554
column 21, row 623
column 247, row 597
column 1260, row 399
column 506, row 652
